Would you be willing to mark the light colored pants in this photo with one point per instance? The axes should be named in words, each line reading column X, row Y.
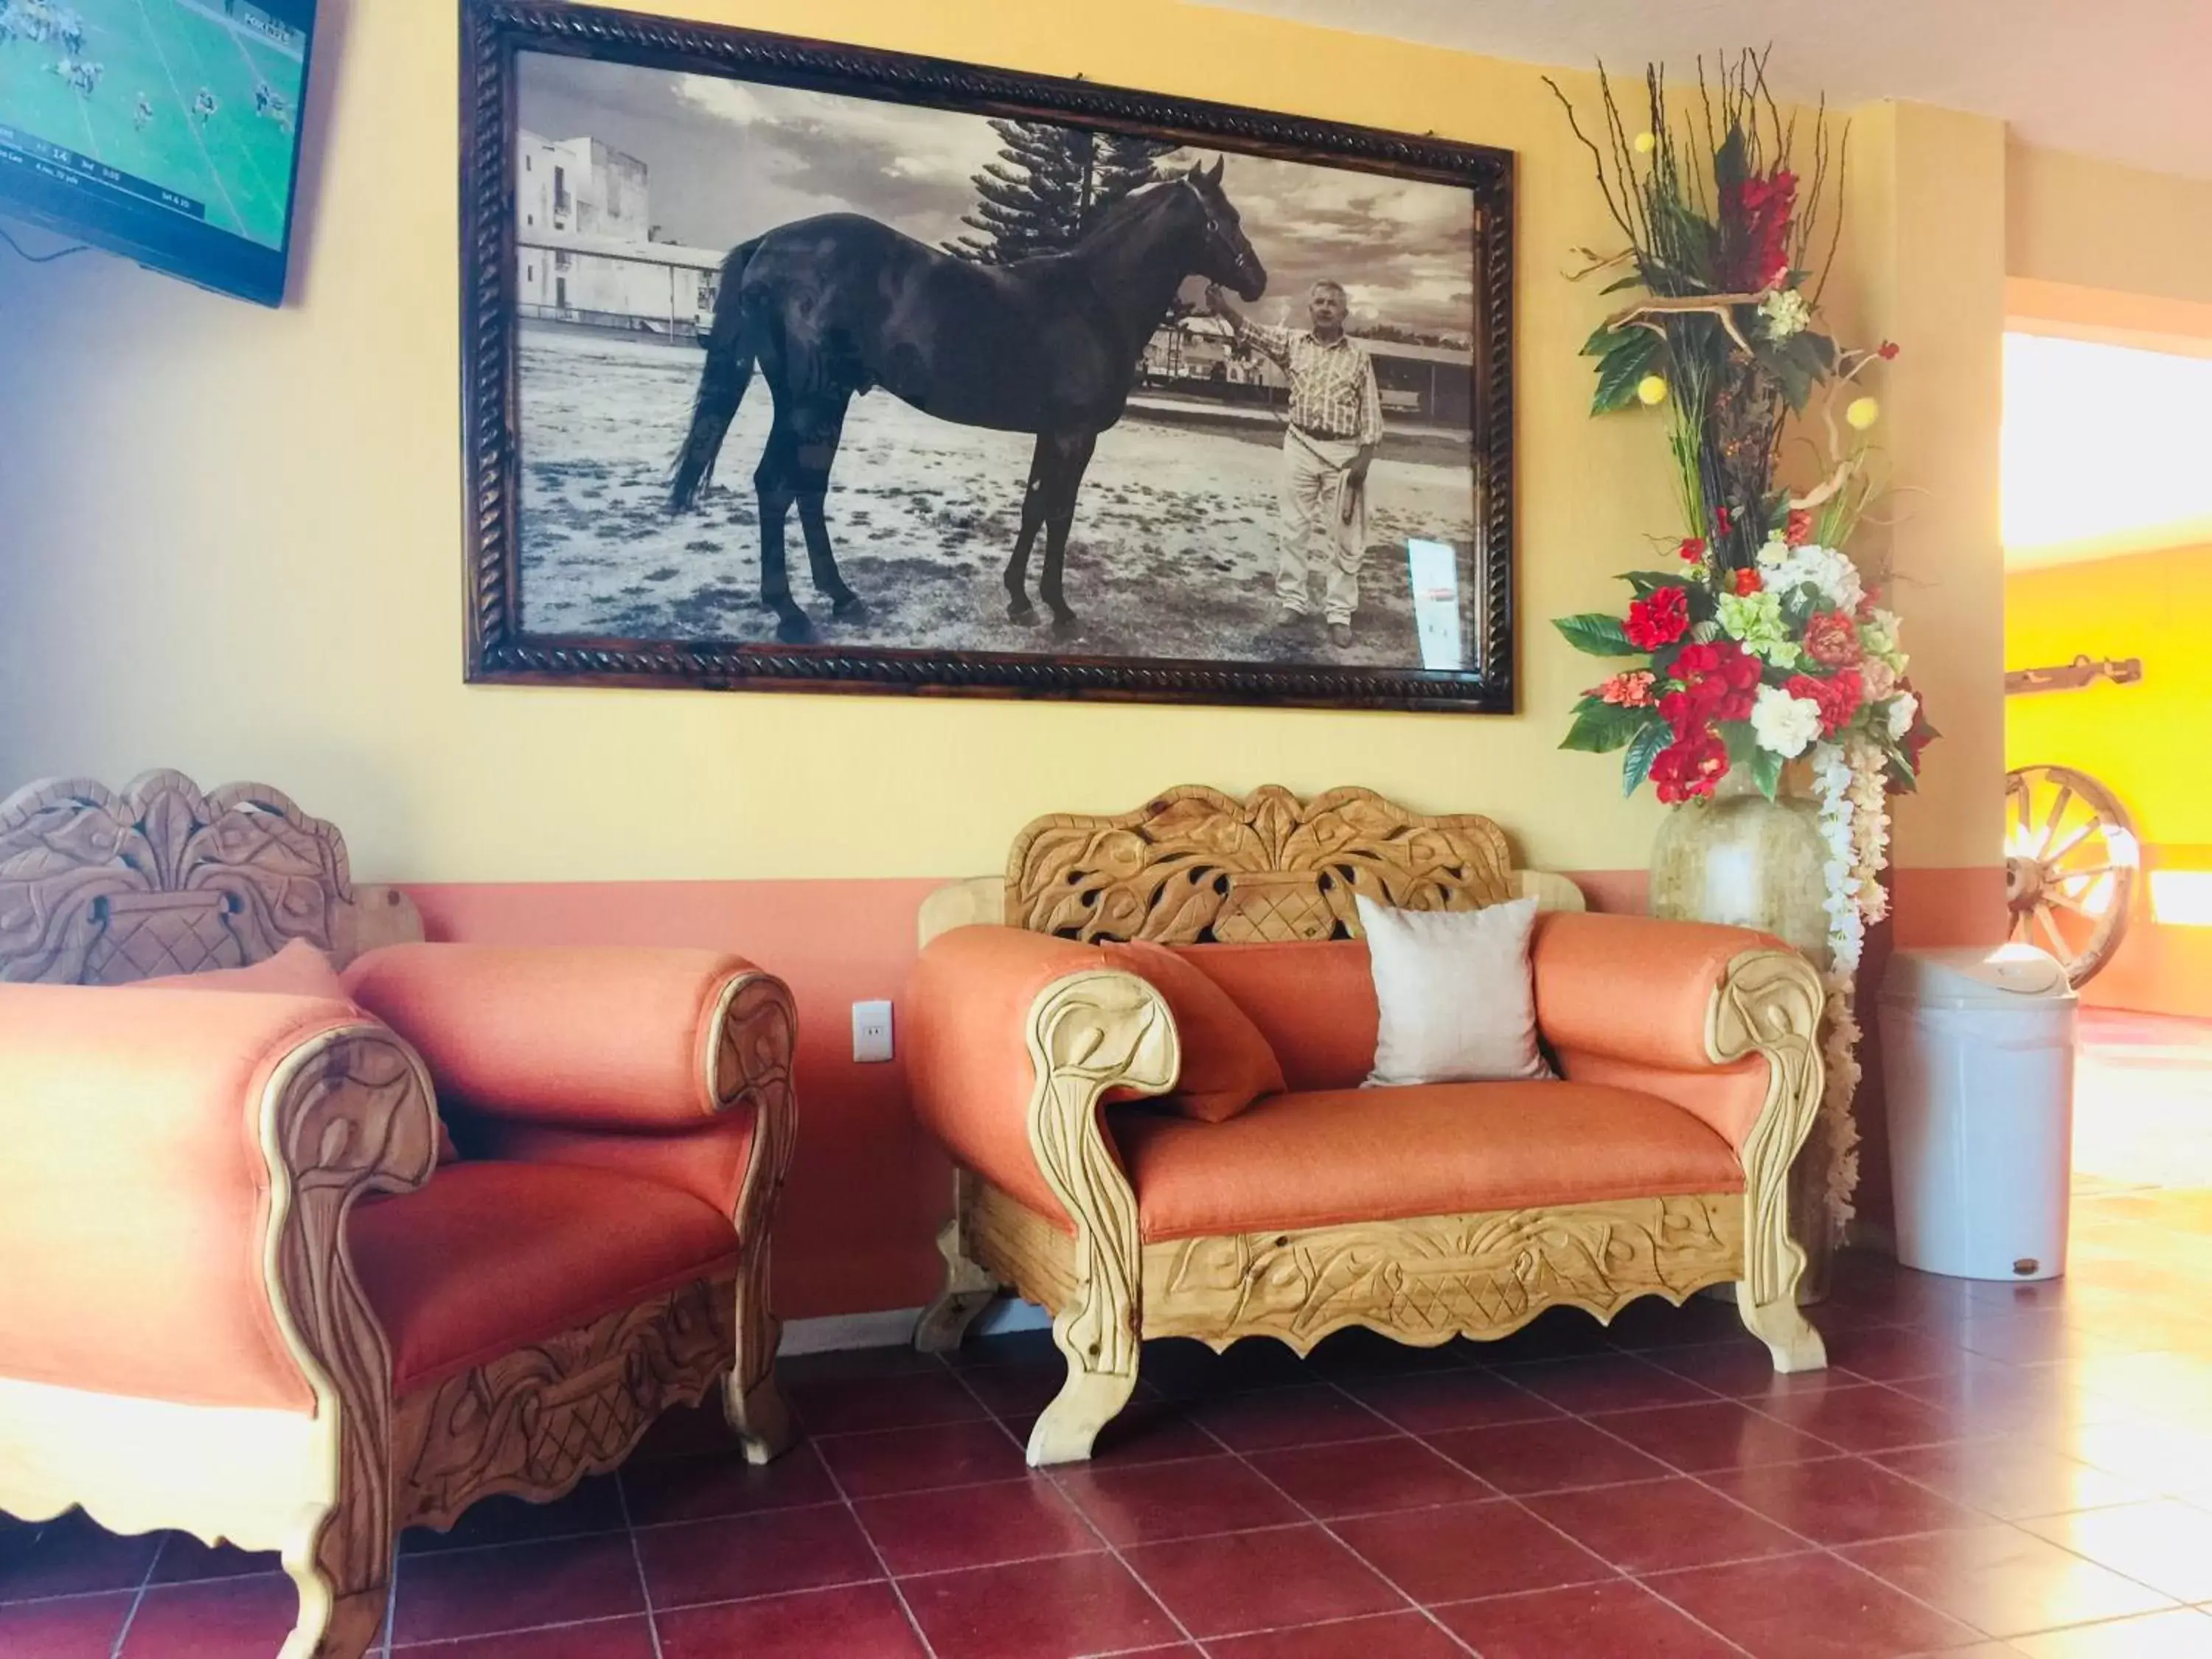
column 1317, row 536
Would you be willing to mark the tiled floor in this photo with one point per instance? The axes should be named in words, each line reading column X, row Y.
column 1985, row 1470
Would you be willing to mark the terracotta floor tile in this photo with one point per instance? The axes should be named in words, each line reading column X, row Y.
column 2168, row 1461
column 184, row 1560
column 1545, row 1456
column 1248, row 1581
column 1610, row 1620
column 69, row 1555
column 1463, row 1399
column 2003, row 1580
column 2186, row 1634
column 1467, row 1399
column 1181, row 1369
column 454, row 1593
column 1364, row 1477
column 1055, row 1609
column 1869, row 1418
column 2167, row 1546
column 2010, row 1480
column 766, row 1554
column 1664, row 1524
column 1841, row 1500
column 1150, row 1503
column 912, row 1459
column 852, row 1405
column 602, row 1638
column 664, row 1489
column 1743, row 1370
column 74, row 1627
column 1269, row 1418
column 974, row 1526
column 1653, row 1324
column 1892, row 1354
column 221, row 1618
column 1723, row 1434
column 860, row 1621
column 1810, row 1607
column 595, row 1506
column 1603, row 1382
column 1462, row 1551
column 1385, row 1635
column 687, row 1432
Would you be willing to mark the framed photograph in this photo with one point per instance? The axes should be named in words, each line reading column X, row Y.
column 791, row 366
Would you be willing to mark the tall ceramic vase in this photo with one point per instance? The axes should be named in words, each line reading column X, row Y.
column 1741, row 859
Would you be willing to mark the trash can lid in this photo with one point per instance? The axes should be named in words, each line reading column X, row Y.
column 1981, row 976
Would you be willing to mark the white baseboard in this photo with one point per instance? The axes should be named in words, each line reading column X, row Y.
column 893, row 1328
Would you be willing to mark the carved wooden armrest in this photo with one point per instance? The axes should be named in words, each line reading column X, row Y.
column 1769, row 1004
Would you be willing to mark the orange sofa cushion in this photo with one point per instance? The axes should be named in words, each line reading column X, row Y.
column 1226, row 1063
column 489, row 1257
column 1314, row 1003
column 1332, row 1155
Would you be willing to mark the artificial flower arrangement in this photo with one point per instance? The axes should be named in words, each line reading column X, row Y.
column 1760, row 644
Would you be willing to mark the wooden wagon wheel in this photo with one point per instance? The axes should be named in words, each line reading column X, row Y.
column 2070, row 862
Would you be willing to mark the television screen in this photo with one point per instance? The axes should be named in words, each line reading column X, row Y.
column 168, row 131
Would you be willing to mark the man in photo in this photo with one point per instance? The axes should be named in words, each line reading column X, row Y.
column 1335, row 428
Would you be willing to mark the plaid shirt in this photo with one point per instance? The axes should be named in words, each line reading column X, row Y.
column 1333, row 392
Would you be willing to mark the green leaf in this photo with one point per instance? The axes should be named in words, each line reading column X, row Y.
column 1634, row 279
column 1643, row 748
column 1646, row 581
column 1798, row 364
column 1597, row 634
column 1766, row 771
column 1604, row 337
column 1603, row 727
column 1624, row 364
column 1743, row 746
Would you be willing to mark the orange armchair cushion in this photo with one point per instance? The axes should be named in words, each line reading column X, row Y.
column 1633, row 988
column 1314, row 1004
column 490, row 1257
column 297, row 970
column 1226, row 1063
column 1333, row 1156
column 607, row 1037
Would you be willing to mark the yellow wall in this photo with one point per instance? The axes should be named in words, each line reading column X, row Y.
column 2094, row 224
column 231, row 538
column 2145, row 741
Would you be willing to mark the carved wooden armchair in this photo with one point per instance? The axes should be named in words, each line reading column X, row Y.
column 1658, row 1165
column 235, row 1301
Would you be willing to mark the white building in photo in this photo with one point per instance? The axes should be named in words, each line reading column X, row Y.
column 586, row 247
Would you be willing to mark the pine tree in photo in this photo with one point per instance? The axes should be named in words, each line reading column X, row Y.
column 1046, row 187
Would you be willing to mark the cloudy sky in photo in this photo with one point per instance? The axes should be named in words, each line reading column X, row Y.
column 728, row 160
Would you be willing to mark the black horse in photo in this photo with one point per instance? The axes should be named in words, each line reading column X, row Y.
column 840, row 303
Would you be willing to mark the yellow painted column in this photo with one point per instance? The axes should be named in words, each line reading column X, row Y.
column 1926, row 237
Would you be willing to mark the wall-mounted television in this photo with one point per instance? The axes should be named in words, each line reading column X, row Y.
column 166, row 130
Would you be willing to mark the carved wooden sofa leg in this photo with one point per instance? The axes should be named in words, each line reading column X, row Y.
column 968, row 1286
column 340, row 1561
column 1770, row 1004
column 758, row 1417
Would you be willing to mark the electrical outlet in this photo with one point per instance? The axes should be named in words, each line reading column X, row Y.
column 871, row 1031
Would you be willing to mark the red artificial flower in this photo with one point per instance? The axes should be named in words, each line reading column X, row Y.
column 1798, row 526
column 1838, row 698
column 1629, row 690
column 1718, row 683
column 1868, row 599
column 1832, row 637
column 1747, row 582
column 1692, row 549
column 1724, row 518
column 1690, row 765
column 1886, row 351
column 1764, row 207
column 1660, row 619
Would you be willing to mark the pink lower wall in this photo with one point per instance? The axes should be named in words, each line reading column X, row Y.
column 867, row 1192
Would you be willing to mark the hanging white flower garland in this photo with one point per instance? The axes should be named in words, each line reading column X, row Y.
column 1848, row 779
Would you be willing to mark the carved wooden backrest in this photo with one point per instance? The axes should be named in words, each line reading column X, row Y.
column 101, row 889
column 1196, row 866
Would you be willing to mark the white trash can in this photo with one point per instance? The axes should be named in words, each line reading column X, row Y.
column 1978, row 1058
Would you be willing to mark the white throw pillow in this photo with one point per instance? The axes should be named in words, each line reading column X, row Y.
column 1457, row 996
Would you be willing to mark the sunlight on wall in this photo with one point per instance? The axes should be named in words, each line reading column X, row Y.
column 2104, row 448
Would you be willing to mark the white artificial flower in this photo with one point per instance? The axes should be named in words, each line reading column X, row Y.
column 1782, row 724
column 1902, row 714
column 1786, row 312
column 1831, row 574
column 1879, row 678
column 1774, row 555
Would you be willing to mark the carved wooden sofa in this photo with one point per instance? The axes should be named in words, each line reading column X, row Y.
column 236, row 1300
column 1659, row 1166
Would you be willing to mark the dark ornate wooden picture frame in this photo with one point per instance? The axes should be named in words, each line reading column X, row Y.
column 606, row 353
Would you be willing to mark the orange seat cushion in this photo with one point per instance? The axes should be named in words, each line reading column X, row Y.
column 489, row 1257
column 1341, row 1155
column 1226, row 1063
